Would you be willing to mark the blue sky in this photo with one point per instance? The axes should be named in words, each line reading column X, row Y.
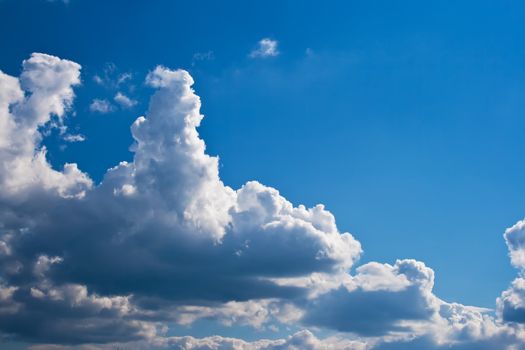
column 404, row 119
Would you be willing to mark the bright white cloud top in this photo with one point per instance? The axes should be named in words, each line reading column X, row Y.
column 162, row 240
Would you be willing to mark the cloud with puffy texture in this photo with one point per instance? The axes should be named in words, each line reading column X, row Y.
column 303, row 340
column 124, row 101
column 183, row 236
column 266, row 47
column 511, row 303
column 101, row 106
column 515, row 239
column 43, row 91
column 163, row 241
column 382, row 299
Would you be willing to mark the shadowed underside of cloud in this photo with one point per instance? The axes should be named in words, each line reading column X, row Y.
column 162, row 240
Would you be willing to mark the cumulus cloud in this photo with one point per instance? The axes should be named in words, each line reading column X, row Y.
column 381, row 300
column 162, row 240
column 101, row 106
column 43, row 91
column 182, row 235
column 303, row 340
column 515, row 239
column 124, row 101
column 266, row 47
column 511, row 303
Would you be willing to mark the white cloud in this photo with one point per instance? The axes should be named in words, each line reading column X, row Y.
column 163, row 240
column 48, row 82
column 74, row 138
column 101, row 106
column 515, row 239
column 122, row 78
column 382, row 300
column 202, row 56
column 302, row 340
column 218, row 238
column 511, row 303
column 266, row 47
column 111, row 77
column 124, row 101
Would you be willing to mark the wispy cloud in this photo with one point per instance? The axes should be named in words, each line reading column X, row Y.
column 265, row 48
column 101, row 106
column 74, row 138
column 124, row 101
column 111, row 77
column 202, row 56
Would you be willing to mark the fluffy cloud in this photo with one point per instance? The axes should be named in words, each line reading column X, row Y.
column 515, row 239
column 381, row 300
column 511, row 303
column 43, row 91
column 164, row 229
column 162, row 240
column 303, row 340
column 101, row 106
column 266, row 47
column 124, row 101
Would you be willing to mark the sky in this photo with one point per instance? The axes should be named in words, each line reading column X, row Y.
column 262, row 175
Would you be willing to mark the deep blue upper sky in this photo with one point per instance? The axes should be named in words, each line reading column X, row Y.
column 404, row 119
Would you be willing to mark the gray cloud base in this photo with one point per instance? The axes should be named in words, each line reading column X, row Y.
column 163, row 240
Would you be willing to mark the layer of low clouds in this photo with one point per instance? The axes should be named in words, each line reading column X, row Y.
column 162, row 240
column 266, row 47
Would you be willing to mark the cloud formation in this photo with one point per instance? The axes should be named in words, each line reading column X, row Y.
column 381, row 300
column 162, row 240
column 43, row 91
column 74, row 138
column 101, row 106
column 111, row 77
column 266, row 47
column 511, row 304
column 124, row 101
